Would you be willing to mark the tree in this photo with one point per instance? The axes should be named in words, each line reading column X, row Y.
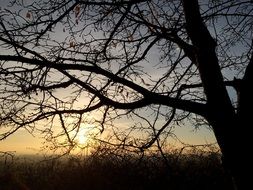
column 174, row 60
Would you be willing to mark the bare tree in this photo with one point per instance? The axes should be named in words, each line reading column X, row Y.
column 157, row 63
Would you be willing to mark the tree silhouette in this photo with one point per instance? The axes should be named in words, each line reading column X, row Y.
column 150, row 61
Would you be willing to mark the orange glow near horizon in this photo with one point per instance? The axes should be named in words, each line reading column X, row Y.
column 23, row 142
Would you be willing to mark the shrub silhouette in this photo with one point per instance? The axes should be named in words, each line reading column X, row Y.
column 11, row 181
column 113, row 172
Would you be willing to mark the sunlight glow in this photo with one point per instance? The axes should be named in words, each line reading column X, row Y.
column 82, row 137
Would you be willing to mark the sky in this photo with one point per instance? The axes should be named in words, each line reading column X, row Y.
column 22, row 142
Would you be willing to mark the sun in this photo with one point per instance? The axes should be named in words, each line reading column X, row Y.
column 86, row 134
column 82, row 137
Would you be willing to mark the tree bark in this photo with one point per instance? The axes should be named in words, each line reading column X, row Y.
column 221, row 113
column 243, row 134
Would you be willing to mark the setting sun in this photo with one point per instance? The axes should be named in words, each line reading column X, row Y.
column 85, row 134
column 82, row 137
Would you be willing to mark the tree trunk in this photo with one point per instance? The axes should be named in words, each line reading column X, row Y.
column 229, row 126
column 233, row 152
column 237, row 156
column 243, row 134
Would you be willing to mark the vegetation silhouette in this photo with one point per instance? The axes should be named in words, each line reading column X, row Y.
column 153, row 65
column 194, row 170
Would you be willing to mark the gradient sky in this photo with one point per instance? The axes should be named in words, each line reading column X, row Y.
column 22, row 142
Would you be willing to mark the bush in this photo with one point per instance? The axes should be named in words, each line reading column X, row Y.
column 112, row 172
